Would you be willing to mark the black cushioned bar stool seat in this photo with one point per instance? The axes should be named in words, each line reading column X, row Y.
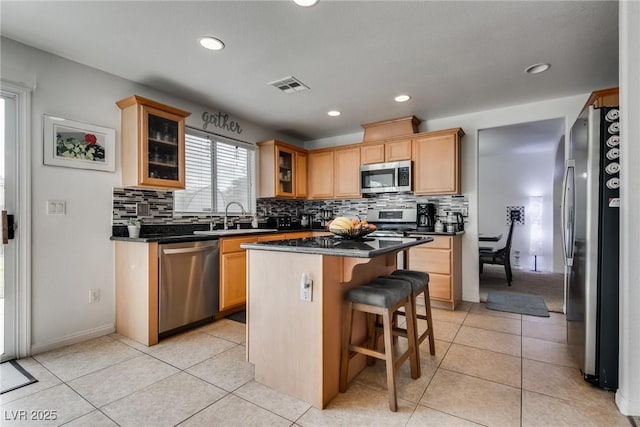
column 420, row 285
column 382, row 296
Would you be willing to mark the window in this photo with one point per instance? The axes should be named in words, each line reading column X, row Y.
column 218, row 171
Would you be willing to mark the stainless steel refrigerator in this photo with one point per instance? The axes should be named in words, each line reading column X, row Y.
column 590, row 221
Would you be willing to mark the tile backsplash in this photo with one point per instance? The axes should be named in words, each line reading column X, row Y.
column 129, row 202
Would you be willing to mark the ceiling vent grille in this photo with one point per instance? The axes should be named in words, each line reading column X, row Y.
column 289, row 85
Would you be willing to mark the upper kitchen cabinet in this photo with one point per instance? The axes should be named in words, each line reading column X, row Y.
column 283, row 170
column 334, row 173
column 152, row 144
column 346, row 172
column 605, row 98
column 388, row 140
column 436, row 162
column 320, row 174
column 387, row 151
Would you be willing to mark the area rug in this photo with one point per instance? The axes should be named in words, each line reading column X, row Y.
column 549, row 286
column 13, row 376
column 240, row 316
column 517, row 303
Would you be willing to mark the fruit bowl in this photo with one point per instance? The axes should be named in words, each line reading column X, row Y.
column 353, row 234
column 351, row 229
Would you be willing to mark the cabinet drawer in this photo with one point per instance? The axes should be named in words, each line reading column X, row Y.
column 232, row 244
column 440, row 286
column 439, row 242
column 270, row 237
column 430, row 260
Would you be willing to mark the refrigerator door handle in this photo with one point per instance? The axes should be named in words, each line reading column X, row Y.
column 567, row 212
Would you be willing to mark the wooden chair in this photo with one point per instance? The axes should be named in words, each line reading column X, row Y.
column 499, row 256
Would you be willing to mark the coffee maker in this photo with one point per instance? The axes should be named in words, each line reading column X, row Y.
column 426, row 216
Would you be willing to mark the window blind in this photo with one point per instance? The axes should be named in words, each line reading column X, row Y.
column 217, row 171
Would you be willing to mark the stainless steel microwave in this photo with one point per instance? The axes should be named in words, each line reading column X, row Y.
column 385, row 177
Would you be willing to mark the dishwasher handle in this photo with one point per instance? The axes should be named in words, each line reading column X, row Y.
column 186, row 250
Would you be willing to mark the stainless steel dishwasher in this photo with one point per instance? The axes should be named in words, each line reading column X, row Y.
column 188, row 283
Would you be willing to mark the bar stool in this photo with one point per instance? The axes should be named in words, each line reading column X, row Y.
column 420, row 285
column 382, row 296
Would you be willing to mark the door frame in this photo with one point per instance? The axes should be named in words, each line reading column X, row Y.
column 22, row 266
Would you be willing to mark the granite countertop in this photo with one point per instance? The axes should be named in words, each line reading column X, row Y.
column 181, row 235
column 435, row 233
column 336, row 246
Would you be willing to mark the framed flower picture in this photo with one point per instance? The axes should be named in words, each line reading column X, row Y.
column 78, row 145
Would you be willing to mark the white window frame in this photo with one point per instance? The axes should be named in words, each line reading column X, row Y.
column 251, row 173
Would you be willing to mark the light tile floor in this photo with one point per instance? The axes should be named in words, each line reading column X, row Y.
column 491, row 368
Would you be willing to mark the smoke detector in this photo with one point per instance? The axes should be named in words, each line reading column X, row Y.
column 289, row 85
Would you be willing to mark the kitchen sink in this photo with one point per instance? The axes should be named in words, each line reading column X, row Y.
column 235, row 231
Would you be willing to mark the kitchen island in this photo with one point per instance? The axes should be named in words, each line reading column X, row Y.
column 294, row 343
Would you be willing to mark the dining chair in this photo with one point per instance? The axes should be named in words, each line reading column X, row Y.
column 500, row 256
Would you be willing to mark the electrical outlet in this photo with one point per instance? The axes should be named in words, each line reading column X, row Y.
column 306, row 288
column 94, row 295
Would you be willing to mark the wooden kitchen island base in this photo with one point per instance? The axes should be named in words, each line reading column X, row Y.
column 295, row 344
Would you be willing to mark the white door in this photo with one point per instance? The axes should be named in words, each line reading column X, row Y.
column 8, row 181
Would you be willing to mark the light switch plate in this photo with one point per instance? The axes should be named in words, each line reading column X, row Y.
column 56, row 207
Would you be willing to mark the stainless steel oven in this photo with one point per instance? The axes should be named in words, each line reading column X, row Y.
column 385, row 177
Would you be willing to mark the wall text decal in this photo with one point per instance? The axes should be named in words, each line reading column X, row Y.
column 221, row 121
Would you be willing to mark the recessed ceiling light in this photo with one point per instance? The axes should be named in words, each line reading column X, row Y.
column 211, row 43
column 402, row 98
column 537, row 68
column 305, row 3
column 334, row 113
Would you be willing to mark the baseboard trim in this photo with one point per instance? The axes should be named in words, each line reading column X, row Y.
column 73, row 338
column 626, row 406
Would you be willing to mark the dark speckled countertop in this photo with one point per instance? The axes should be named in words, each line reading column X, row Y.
column 336, row 246
column 183, row 233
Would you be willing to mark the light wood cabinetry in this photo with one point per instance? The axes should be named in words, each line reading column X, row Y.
column 152, row 144
column 334, row 173
column 605, row 98
column 436, row 162
column 442, row 259
column 388, row 151
column 346, row 172
column 233, row 266
column 320, row 175
column 233, row 271
column 137, row 291
column 390, row 128
column 283, row 170
column 301, row 174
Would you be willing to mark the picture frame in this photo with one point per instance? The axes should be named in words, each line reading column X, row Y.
column 74, row 144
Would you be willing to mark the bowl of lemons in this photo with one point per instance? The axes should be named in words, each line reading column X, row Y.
column 351, row 229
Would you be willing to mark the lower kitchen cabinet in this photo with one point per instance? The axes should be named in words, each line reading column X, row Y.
column 442, row 259
column 233, row 271
column 233, row 266
column 137, row 291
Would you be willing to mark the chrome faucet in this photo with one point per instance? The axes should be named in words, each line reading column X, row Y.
column 226, row 213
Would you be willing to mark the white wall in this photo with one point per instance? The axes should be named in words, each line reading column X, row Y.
column 72, row 254
column 509, row 180
column 628, row 394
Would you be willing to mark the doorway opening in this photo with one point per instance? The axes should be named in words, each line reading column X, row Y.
column 520, row 171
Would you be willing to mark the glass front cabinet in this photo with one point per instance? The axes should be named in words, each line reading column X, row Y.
column 152, row 144
column 283, row 170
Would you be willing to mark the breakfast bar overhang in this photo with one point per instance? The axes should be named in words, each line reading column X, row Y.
column 294, row 343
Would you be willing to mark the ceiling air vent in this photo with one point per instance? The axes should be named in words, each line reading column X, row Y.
column 289, row 85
